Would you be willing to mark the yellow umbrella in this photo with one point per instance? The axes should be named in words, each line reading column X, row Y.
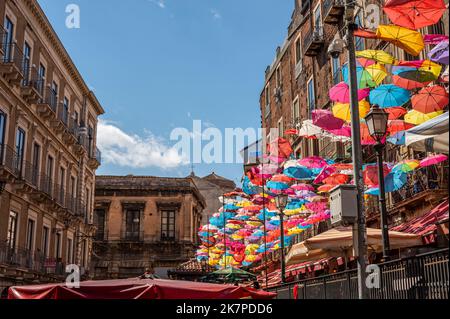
column 416, row 117
column 377, row 72
column 432, row 67
column 342, row 111
column 409, row 40
column 376, row 55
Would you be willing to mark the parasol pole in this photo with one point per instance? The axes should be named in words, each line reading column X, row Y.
column 359, row 228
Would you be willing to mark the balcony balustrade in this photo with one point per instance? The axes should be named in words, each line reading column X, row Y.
column 32, row 85
column 47, row 106
column 314, row 41
column 333, row 11
column 11, row 63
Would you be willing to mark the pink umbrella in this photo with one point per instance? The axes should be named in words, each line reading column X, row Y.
column 434, row 38
column 317, row 207
column 345, row 131
column 267, row 168
column 326, row 120
column 302, row 187
column 341, row 93
column 433, row 160
column 313, row 162
column 324, row 173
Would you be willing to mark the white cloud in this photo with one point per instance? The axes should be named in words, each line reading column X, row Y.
column 216, row 14
column 123, row 149
column 159, row 3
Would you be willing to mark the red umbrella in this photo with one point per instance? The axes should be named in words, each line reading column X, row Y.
column 430, row 99
column 326, row 120
column 281, row 178
column 326, row 188
column 395, row 112
column 408, row 84
column 414, row 14
column 336, row 179
column 370, row 174
column 396, row 126
column 324, row 173
column 341, row 93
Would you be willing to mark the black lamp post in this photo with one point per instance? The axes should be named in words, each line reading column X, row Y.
column 281, row 202
column 377, row 121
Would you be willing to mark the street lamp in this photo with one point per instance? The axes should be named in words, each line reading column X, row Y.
column 281, row 202
column 377, row 121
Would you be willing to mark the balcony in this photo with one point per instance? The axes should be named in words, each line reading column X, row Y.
column 314, row 41
column 95, row 159
column 70, row 133
column 11, row 63
column 48, row 104
column 132, row 236
column 9, row 163
column 333, row 11
column 32, row 86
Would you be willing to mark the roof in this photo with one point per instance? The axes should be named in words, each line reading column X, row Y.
column 219, row 180
column 192, row 266
column 425, row 224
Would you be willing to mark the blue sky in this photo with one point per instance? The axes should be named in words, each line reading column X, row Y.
column 156, row 65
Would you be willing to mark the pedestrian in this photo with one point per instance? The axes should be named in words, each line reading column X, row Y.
column 148, row 274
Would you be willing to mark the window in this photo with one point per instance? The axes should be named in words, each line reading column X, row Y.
column 267, row 99
column 359, row 42
column 20, row 149
column 45, row 240
column 69, row 258
column 8, row 40
column 83, row 253
column 26, row 63
column 318, row 31
column 280, row 127
column 49, row 178
column 298, row 50
column 278, row 76
column 133, row 223
column 90, row 141
column 54, row 96
column 311, row 96
column 30, row 235
column 73, row 187
column 58, row 246
column 168, row 225
column 99, row 222
column 12, row 230
column 296, row 111
column 2, row 132
column 36, row 161
column 65, row 110
column 88, row 205
column 336, row 69
column 41, row 73
column 62, row 183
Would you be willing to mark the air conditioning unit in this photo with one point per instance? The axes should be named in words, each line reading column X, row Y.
column 343, row 205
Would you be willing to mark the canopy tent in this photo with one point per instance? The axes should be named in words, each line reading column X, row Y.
column 430, row 136
column 135, row 288
column 339, row 242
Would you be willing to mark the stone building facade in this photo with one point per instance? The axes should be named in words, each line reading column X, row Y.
column 300, row 77
column 48, row 155
column 144, row 222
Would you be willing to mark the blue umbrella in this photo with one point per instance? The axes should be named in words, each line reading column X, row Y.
column 394, row 181
column 375, row 191
column 389, row 95
column 277, row 185
column 298, row 172
column 397, row 138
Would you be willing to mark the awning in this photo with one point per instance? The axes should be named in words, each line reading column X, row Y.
column 137, row 289
column 430, row 136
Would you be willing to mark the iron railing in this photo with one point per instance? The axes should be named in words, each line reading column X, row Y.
column 10, row 159
column 32, row 79
column 328, row 4
column 132, row 235
column 315, row 34
column 50, row 98
column 12, row 54
column 424, row 276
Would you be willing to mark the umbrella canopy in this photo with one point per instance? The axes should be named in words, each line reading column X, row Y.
column 370, row 174
column 416, row 117
column 298, row 172
column 367, row 77
column 422, row 65
column 326, row 120
column 395, row 112
column 433, row 160
column 396, row 126
column 324, row 173
column 394, row 181
column 389, row 95
column 430, row 99
column 406, row 83
column 313, row 162
column 414, row 14
column 376, row 55
column 303, row 187
column 300, row 253
column 434, row 38
column 409, row 40
column 434, row 131
column 325, row 188
column 308, row 129
column 336, row 179
column 342, row 110
column 281, row 178
column 341, row 93
column 440, row 53
column 406, row 166
column 277, row 185
column 397, row 138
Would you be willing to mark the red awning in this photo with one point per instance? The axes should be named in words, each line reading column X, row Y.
column 137, row 289
column 426, row 224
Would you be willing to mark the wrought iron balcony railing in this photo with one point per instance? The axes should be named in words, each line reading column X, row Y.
column 314, row 40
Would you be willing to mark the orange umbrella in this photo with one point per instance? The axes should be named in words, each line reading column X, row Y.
column 396, row 126
column 366, row 138
column 395, row 112
column 430, row 99
column 336, row 179
column 325, row 188
column 408, row 84
column 281, row 178
column 370, row 174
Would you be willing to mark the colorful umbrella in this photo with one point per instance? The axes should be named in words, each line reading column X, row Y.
column 370, row 174
column 389, row 95
column 407, row 84
column 324, row 173
column 268, row 168
column 395, row 112
column 313, row 162
column 336, row 179
column 367, row 77
column 414, row 14
column 341, row 93
column 342, row 111
column 325, row 188
column 298, row 172
column 277, row 185
column 376, row 55
column 423, row 65
column 303, row 187
column 396, row 126
column 433, row 160
column 397, row 138
column 439, row 53
column 406, row 166
column 430, row 99
column 325, row 120
column 409, row 40
column 434, row 38
column 394, row 181
column 281, row 178
column 416, row 117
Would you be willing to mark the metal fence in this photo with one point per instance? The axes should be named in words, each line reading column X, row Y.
column 424, row 276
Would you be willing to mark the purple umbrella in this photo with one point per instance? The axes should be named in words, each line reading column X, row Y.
column 326, row 120
column 439, row 53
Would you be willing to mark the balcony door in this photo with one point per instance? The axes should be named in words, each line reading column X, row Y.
column 168, row 225
column 9, row 35
column 2, row 134
column 20, row 149
column 41, row 81
column 26, row 63
column 318, row 20
column 12, row 230
column 36, row 161
column 132, row 224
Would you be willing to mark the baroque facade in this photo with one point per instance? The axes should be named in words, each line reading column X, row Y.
column 48, row 154
column 144, row 222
